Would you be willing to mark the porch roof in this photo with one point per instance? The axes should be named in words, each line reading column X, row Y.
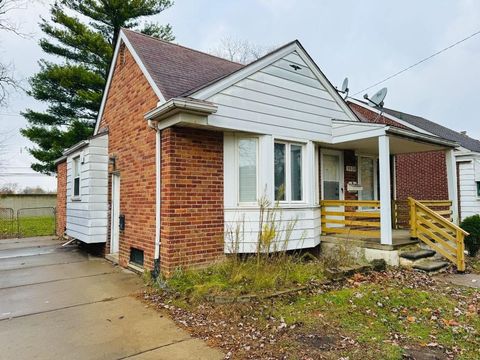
column 364, row 138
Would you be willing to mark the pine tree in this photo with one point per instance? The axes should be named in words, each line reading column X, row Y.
column 83, row 35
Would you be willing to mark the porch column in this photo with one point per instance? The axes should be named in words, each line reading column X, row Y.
column 452, row 183
column 385, row 196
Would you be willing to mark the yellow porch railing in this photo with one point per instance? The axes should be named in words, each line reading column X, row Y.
column 401, row 211
column 351, row 217
column 437, row 231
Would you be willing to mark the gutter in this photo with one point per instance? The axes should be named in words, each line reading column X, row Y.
column 421, row 137
column 158, row 183
column 176, row 105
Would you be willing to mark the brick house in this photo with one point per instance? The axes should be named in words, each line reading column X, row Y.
column 432, row 182
column 187, row 143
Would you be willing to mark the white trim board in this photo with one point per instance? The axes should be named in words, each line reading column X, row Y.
column 123, row 38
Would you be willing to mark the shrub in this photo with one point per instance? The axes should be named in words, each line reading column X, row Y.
column 471, row 224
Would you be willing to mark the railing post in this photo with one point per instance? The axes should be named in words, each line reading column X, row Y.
column 460, row 251
column 413, row 218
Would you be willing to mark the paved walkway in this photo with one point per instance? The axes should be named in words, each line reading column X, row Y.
column 60, row 303
column 470, row 280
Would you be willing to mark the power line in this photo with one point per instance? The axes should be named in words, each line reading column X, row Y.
column 419, row 62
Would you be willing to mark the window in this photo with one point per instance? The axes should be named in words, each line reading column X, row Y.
column 76, row 176
column 478, row 188
column 288, row 172
column 247, row 169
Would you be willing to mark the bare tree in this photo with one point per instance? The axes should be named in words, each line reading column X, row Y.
column 9, row 188
column 241, row 51
column 8, row 82
column 6, row 6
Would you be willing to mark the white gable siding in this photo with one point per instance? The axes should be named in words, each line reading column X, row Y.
column 469, row 202
column 87, row 217
column 279, row 100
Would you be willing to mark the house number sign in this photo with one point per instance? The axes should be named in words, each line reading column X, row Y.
column 351, row 168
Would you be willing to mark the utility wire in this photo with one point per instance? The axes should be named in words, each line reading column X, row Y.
column 419, row 62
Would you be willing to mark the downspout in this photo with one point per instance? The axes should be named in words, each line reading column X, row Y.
column 158, row 179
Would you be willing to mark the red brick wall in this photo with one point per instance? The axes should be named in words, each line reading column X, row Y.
column 133, row 143
column 192, row 217
column 349, row 159
column 422, row 176
column 61, row 210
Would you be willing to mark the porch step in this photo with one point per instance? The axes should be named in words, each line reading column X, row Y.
column 418, row 254
column 429, row 265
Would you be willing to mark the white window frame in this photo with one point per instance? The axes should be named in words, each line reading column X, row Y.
column 78, row 196
column 288, row 172
column 237, row 168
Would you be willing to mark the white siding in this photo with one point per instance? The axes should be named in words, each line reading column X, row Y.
column 305, row 222
column 87, row 217
column 279, row 100
column 469, row 202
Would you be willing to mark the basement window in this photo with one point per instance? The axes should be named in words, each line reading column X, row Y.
column 136, row 256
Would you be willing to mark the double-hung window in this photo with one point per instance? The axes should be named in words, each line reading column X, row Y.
column 288, row 172
column 76, row 176
column 247, row 169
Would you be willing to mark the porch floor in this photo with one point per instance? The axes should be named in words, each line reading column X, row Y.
column 401, row 239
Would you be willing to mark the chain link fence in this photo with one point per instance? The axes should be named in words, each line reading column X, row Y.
column 7, row 223
column 27, row 222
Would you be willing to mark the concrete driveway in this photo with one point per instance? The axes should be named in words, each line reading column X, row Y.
column 60, row 303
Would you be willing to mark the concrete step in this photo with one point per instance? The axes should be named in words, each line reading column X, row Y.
column 430, row 265
column 418, row 254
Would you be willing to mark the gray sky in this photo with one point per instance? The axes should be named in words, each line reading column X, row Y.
column 364, row 40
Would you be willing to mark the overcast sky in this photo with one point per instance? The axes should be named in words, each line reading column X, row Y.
column 364, row 40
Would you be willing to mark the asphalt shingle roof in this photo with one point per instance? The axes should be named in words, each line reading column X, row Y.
column 176, row 69
column 437, row 129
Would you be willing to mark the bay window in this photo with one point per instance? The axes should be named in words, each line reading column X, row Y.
column 288, row 172
column 247, row 169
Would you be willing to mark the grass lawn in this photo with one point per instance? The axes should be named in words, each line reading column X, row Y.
column 384, row 315
column 28, row 226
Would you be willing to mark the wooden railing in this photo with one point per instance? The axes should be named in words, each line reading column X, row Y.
column 351, row 217
column 401, row 211
column 438, row 232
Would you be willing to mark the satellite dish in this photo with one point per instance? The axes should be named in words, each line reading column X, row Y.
column 377, row 99
column 345, row 85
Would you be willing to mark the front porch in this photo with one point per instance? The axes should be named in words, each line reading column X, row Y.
column 358, row 193
column 357, row 225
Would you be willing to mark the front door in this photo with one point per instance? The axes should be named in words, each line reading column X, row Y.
column 367, row 178
column 332, row 181
column 332, row 175
column 115, row 229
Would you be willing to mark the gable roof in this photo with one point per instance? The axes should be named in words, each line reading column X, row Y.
column 436, row 129
column 176, row 69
